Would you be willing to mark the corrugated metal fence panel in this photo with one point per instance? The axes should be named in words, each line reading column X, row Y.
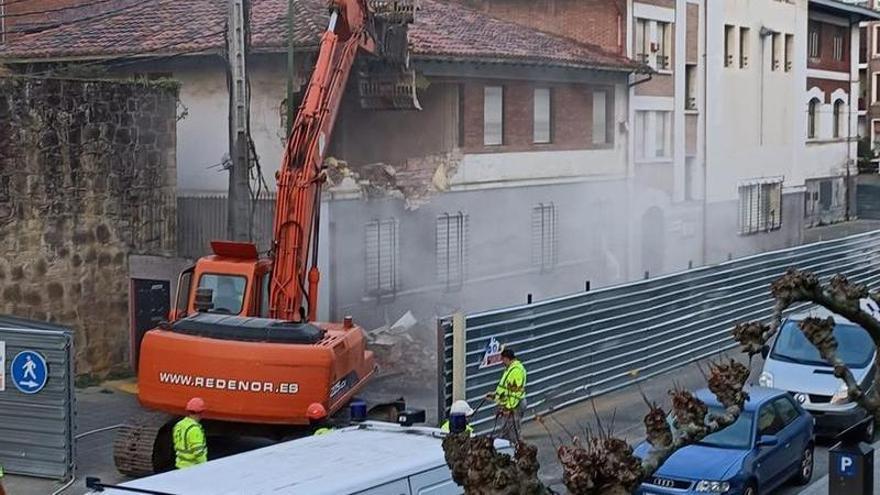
column 36, row 430
column 202, row 219
column 591, row 343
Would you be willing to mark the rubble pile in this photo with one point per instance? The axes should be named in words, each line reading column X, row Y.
column 414, row 180
column 404, row 348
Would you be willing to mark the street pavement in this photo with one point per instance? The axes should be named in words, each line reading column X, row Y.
column 108, row 405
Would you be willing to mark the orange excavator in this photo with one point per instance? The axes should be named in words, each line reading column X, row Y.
column 242, row 334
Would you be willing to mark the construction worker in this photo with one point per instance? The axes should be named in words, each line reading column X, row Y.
column 2, row 490
column 190, row 444
column 318, row 419
column 510, row 396
column 459, row 407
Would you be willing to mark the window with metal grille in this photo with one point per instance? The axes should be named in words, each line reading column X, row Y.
column 813, row 49
column 760, row 207
column 452, row 249
column 381, row 253
column 838, row 44
column 545, row 243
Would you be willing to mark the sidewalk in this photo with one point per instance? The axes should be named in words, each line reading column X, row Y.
column 820, row 487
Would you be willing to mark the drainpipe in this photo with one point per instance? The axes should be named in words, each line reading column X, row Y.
column 847, row 202
column 705, row 112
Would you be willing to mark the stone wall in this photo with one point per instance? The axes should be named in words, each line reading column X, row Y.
column 87, row 178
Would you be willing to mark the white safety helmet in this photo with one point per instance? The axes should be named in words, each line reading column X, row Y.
column 461, row 407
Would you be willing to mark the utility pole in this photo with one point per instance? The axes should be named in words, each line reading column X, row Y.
column 238, row 202
column 291, row 72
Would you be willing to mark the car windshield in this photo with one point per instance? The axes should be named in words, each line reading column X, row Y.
column 853, row 345
column 228, row 292
column 736, row 436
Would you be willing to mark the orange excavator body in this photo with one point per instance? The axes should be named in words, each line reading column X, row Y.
column 253, row 353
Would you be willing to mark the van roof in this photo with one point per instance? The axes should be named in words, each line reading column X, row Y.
column 348, row 460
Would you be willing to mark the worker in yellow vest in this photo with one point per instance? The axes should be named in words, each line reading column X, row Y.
column 459, row 407
column 190, row 444
column 510, row 396
column 318, row 419
column 2, row 490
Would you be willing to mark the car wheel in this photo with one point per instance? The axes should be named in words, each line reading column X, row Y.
column 805, row 468
column 750, row 490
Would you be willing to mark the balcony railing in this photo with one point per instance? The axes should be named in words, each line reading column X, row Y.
column 662, row 61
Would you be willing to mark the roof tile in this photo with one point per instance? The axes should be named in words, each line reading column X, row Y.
column 442, row 29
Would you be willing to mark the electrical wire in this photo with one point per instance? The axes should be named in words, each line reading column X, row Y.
column 83, row 435
column 59, row 9
column 103, row 15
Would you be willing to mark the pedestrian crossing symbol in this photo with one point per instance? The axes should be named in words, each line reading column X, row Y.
column 29, row 372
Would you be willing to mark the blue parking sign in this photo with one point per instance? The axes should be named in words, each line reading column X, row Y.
column 29, row 372
column 846, row 464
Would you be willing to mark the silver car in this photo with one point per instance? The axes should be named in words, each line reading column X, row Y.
column 792, row 363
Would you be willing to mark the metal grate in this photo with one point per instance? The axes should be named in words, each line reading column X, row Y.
column 452, row 249
column 760, row 207
column 545, row 243
column 381, row 251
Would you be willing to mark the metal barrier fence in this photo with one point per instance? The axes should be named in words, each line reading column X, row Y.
column 587, row 344
column 202, row 219
column 37, row 400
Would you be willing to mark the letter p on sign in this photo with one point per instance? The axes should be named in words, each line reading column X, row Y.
column 847, row 466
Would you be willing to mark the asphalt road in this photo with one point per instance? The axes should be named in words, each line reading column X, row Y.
column 105, row 406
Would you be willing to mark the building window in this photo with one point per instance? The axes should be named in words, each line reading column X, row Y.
column 813, row 118
column 493, row 115
column 729, row 44
column 839, row 116
column 789, row 51
column 744, row 47
column 381, row 254
column 875, row 51
column 775, row 51
column 760, row 207
column 653, row 135
column 663, row 46
column 663, row 141
column 690, row 87
column 600, row 118
column 837, row 44
column 542, row 115
column 452, row 249
column 875, row 87
column 642, row 38
column 813, row 37
column 545, row 244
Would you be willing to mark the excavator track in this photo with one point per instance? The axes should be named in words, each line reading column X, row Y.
column 144, row 446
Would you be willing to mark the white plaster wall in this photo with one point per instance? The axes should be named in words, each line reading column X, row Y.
column 739, row 145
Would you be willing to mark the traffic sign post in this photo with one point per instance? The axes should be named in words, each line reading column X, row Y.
column 851, row 464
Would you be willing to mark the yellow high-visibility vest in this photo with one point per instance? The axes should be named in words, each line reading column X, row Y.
column 511, row 388
column 445, row 428
column 190, row 445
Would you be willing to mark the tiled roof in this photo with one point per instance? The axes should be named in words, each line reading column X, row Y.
column 442, row 29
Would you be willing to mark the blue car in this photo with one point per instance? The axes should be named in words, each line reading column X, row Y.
column 770, row 444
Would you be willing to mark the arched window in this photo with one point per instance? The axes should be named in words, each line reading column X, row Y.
column 839, row 118
column 813, row 119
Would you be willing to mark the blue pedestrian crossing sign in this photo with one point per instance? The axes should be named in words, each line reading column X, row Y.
column 29, row 372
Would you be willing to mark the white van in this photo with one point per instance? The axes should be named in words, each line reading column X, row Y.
column 372, row 458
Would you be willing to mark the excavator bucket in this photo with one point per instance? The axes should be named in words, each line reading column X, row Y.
column 385, row 87
column 389, row 83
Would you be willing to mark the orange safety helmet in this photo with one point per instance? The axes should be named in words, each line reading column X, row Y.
column 316, row 411
column 195, row 405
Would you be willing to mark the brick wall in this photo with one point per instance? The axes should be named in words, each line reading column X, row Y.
column 599, row 22
column 828, row 86
column 87, row 177
column 571, row 116
column 825, row 60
